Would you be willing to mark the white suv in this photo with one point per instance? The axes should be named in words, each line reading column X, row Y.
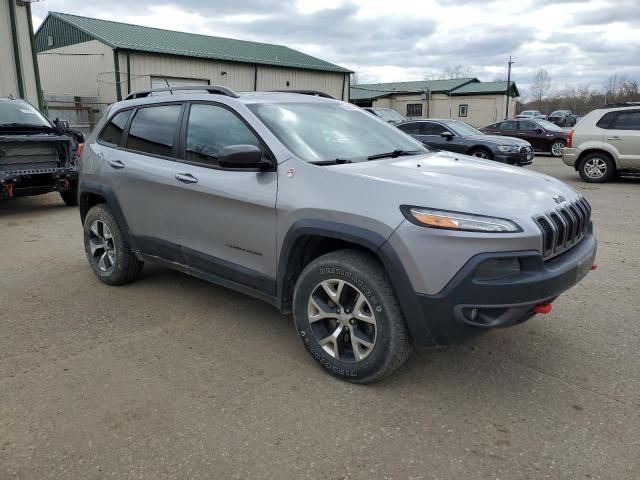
column 605, row 142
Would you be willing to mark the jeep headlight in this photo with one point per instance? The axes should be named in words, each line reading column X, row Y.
column 464, row 222
column 509, row 148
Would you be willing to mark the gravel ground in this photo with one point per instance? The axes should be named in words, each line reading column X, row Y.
column 171, row 377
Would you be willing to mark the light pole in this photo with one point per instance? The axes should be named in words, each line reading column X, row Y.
column 508, row 86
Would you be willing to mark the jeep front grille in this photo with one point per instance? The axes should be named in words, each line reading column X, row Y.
column 564, row 227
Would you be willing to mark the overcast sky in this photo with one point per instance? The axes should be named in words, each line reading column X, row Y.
column 578, row 42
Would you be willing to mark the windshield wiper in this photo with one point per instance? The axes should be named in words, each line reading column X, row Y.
column 337, row 161
column 394, row 154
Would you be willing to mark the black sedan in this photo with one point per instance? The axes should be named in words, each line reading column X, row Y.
column 459, row 137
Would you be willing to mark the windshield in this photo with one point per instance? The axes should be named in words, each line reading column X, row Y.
column 317, row 132
column 21, row 112
column 528, row 113
column 389, row 115
column 462, row 129
column 550, row 126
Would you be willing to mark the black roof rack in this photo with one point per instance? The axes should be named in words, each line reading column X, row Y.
column 621, row 104
column 212, row 89
column 314, row 93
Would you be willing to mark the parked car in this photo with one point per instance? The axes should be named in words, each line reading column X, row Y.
column 563, row 118
column 459, row 137
column 544, row 136
column 387, row 114
column 373, row 243
column 605, row 142
column 36, row 155
column 528, row 114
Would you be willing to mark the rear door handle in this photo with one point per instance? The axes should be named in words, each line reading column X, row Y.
column 115, row 163
column 186, row 178
column 613, row 138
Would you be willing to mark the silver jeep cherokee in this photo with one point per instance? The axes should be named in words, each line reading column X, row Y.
column 374, row 243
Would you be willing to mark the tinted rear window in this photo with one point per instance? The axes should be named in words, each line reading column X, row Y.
column 629, row 120
column 153, row 130
column 607, row 120
column 113, row 131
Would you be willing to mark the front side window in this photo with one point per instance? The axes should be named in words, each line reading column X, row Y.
column 153, row 130
column 414, row 109
column 528, row 126
column 430, row 128
column 627, row 120
column 112, row 133
column 212, row 128
column 326, row 131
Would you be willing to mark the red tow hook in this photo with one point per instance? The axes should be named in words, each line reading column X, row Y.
column 8, row 188
column 65, row 184
column 594, row 266
column 543, row 308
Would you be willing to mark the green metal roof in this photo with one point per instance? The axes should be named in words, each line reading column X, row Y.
column 376, row 90
column 155, row 40
column 487, row 87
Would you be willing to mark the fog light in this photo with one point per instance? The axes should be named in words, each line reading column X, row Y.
column 498, row 268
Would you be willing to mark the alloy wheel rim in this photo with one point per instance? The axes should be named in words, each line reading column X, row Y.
column 101, row 246
column 556, row 149
column 595, row 168
column 342, row 320
column 480, row 154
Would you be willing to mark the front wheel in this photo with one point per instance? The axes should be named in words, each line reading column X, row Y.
column 481, row 153
column 348, row 317
column 556, row 148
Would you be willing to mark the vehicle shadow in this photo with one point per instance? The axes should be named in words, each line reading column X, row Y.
column 28, row 205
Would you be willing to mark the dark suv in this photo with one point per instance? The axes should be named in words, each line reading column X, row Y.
column 36, row 155
column 459, row 137
column 544, row 136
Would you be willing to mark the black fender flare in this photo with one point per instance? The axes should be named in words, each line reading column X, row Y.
column 380, row 247
column 106, row 192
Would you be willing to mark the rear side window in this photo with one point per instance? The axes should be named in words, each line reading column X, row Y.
column 629, row 120
column 607, row 120
column 410, row 128
column 112, row 133
column 528, row 126
column 506, row 126
column 212, row 128
column 153, row 130
column 429, row 128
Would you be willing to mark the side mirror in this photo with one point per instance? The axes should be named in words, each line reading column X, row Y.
column 538, row 130
column 446, row 134
column 61, row 125
column 242, row 156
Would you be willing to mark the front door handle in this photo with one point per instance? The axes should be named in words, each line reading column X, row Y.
column 115, row 163
column 186, row 178
column 613, row 138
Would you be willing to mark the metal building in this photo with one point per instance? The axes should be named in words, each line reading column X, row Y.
column 18, row 65
column 88, row 57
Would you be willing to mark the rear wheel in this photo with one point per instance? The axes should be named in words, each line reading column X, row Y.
column 108, row 252
column 348, row 317
column 597, row 168
column 556, row 148
column 481, row 153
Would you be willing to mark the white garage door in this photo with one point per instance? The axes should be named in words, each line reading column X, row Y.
column 163, row 82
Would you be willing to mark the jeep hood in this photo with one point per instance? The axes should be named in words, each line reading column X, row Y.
column 457, row 182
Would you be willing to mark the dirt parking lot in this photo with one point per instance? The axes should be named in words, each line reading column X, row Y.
column 171, row 377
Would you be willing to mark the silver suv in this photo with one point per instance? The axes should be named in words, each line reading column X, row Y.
column 374, row 243
column 605, row 142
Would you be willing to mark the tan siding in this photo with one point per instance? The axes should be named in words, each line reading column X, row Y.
column 8, row 77
column 273, row 78
column 85, row 70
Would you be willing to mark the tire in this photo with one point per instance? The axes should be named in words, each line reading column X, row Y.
column 597, row 167
column 556, row 148
column 481, row 153
column 70, row 197
column 383, row 341
column 108, row 253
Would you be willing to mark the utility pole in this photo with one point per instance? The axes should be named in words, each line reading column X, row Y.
column 508, row 86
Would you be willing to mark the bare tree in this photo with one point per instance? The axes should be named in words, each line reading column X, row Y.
column 456, row 71
column 541, row 85
column 355, row 78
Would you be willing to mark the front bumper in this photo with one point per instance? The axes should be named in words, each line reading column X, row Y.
column 36, row 181
column 570, row 156
column 450, row 317
column 520, row 159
